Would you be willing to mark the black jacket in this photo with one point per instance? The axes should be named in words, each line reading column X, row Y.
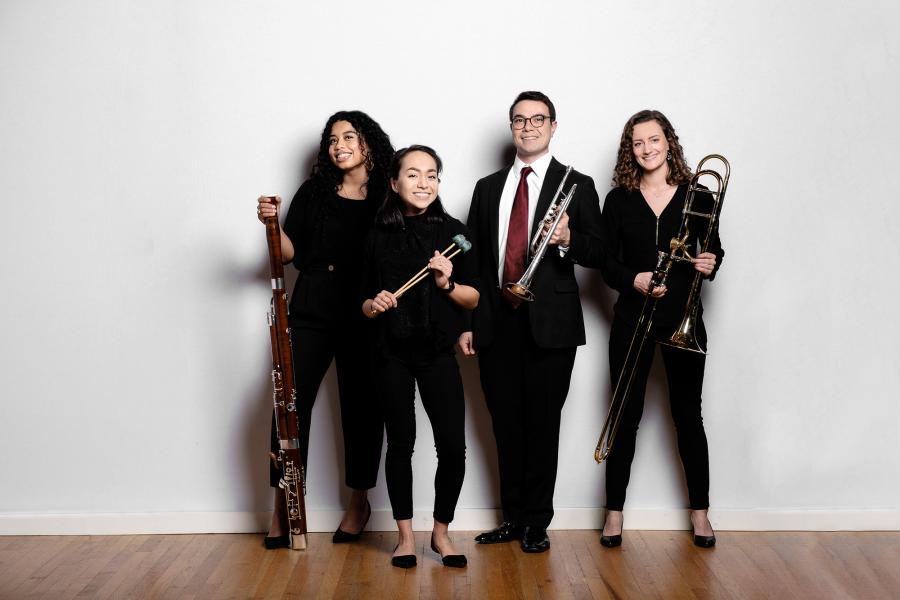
column 555, row 315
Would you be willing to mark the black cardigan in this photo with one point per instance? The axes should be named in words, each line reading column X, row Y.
column 425, row 318
column 634, row 234
column 328, row 233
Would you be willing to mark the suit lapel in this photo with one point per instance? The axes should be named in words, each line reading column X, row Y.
column 495, row 191
column 551, row 182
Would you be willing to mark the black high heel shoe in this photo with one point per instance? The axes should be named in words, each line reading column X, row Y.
column 342, row 537
column 610, row 541
column 704, row 541
column 404, row 561
column 457, row 561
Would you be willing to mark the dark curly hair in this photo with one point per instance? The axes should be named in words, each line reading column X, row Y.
column 628, row 173
column 325, row 177
column 390, row 215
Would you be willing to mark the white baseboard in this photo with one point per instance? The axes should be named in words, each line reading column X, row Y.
column 470, row 519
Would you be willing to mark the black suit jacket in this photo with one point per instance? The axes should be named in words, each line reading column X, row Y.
column 555, row 315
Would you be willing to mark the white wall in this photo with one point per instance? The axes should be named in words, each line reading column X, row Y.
column 136, row 137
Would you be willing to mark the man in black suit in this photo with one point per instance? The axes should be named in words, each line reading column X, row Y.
column 526, row 350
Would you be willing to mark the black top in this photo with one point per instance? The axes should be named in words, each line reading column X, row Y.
column 328, row 234
column 426, row 319
column 634, row 235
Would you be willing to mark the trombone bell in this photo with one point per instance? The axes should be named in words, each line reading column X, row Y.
column 684, row 337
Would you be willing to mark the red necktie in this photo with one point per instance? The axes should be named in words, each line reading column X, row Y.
column 517, row 238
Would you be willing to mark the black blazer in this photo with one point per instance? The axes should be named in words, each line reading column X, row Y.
column 555, row 315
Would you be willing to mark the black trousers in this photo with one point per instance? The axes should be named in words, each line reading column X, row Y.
column 684, row 374
column 361, row 422
column 440, row 387
column 525, row 388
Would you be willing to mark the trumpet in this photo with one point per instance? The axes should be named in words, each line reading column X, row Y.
column 685, row 336
column 540, row 241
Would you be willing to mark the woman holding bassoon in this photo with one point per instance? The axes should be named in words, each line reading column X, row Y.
column 418, row 323
column 323, row 235
column 640, row 217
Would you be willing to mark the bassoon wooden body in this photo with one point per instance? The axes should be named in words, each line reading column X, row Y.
column 284, row 396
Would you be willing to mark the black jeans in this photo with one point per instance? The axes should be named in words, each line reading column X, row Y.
column 440, row 387
column 684, row 373
column 361, row 422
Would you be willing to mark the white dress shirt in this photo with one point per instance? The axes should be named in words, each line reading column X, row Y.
column 535, row 181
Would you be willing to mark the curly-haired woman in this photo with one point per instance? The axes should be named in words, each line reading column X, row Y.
column 640, row 216
column 323, row 234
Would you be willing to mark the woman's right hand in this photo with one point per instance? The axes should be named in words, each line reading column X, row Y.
column 382, row 302
column 642, row 285
column 267, row 206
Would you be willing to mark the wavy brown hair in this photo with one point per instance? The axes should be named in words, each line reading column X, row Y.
column 628, row 172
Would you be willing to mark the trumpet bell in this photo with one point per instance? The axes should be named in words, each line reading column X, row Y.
column 520, row 291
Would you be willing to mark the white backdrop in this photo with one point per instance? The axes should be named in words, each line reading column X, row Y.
column 136, row 137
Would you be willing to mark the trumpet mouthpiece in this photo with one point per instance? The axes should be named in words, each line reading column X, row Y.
column 462, row 243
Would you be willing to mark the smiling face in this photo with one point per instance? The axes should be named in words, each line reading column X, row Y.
column 346, row 147
column 417, row 182
column 532, row 142
column 649, row 144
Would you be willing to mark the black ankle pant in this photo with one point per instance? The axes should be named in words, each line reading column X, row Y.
column 361, row 424
column 684, row 373
column 440, row 387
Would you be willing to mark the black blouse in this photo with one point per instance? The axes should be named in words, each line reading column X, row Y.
column 426, row 319
column 634, row 235
column 328, row 233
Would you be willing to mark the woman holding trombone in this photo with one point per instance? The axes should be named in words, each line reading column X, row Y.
column 418, row 324
column 640, row 217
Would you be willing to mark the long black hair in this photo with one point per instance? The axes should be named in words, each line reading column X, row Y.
column 390, row 215
column 325, row 177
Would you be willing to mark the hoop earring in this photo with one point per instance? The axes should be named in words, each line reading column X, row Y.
column 370, row 164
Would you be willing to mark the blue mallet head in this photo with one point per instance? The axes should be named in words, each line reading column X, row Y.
column 462, row 243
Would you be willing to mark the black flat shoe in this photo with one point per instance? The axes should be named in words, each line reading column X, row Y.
column 457, row 561
column 342, row 537
column 611, row 541
column 404, row 561
column 535, row 539
column 507, row 532
column 277, row 541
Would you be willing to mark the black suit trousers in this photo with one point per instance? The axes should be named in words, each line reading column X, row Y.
column 525, row 388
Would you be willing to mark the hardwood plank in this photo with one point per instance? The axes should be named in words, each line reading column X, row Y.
column 650, row 564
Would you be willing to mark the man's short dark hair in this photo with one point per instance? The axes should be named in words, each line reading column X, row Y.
column 540, row 97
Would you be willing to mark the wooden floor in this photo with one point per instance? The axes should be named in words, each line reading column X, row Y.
column 650, row 564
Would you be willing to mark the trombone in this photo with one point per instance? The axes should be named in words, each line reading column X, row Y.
column 541, row 239
column 685, row 335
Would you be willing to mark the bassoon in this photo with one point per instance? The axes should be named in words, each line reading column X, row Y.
column 284, row 396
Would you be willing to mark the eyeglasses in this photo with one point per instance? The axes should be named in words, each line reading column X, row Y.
column 537, row 121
